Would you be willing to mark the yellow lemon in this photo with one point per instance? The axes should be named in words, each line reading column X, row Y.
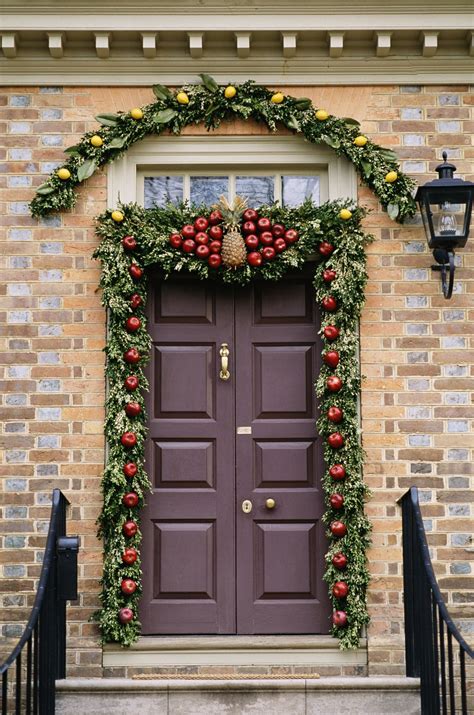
column 182, row 98
column 321, row 114
column 345, row 214
column 230, row 92
column 136, row 113
column 360, row 140
column 96, row 140
column 64, row 174
column 391, row 177
column 277, row 98
column 117, row 216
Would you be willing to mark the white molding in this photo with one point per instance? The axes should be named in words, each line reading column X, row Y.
column 196, row 40
column 383, row 43
column 336, row 44
column 242, row 40
column 55, row 44
column 9, row 46
column 430, row 43
column 102, row 44
column 149, row 44
column 289, row 40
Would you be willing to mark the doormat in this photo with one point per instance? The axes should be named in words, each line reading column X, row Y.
column 229, row 676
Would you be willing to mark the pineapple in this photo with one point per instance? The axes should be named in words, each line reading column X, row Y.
column 233, row 251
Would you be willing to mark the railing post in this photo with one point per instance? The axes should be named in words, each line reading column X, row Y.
column 409, row 548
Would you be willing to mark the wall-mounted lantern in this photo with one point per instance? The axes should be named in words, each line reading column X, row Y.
column 446, row 206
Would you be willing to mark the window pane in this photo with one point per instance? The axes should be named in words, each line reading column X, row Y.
column 295, row 189
column 257, row 190
column 160, row 190
column 208, row 189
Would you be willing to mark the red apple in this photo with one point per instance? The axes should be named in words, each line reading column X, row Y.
column 331, row 358
column 214, row 260
column 133, row 409
column 339, row 618
column 255, row 259
column 335, row 414
column 129, row 243
column 248, row 227
column 336, row 501
column 331, row 332
column 266, row 238
column 189, row 245
column 202, row 251
column 201, row 238
column 334, row 383
column 252, row 241
column 131, row 356
column 329, row 303
column 325, row 248
column 215, row 246
column 336, row 440
column 130, row 499
column 176, row 240
column 337, row 472
column 135, row 271
column 130, row 470
column 129, row 528
column 329, row 275
column 279, row 245
column 340, row 589
column 201, row 223
column 125, row 615
column 216, row 233
column 291, row 236
column 339, row 561
column 136, row 300
column 129, row 556
column 188, row 231
column 128, row 439
column 215, row 218
column 264, row 224
column 131, row 383
column 133, row 324
column 250, row 215
column 338, row 528
column 128, row 586
column 268, row 253
column 278, row 230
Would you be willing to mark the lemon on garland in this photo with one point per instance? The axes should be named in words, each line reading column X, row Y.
column 63, row 174
column 361, row 140
column 277, row 98
column 322, row 115
column 117, row 216
column 96, row 140
column 136, row 113
column 345, row 214
column 182, row 98
column 230, row 92
column 391, row 177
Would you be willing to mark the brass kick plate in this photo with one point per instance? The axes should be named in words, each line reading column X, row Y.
column 244, row 430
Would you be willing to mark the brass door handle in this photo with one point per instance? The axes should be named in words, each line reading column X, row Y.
column 270, row 503
column 224, row 353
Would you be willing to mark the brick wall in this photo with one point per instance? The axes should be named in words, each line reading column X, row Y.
column 417, row 356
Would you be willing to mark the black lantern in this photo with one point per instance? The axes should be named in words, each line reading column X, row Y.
column 446, row 205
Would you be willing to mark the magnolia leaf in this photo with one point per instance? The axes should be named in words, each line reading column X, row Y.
column 393, row 210
column 165, row 116
column 388, row 154
column 108, row 120
column 302, row 103
column 117, row 142
column 349, row 120
column 72, row 149
column 86, row 169
column 366, row 168
column 161, row 92
column 44, row 189
column 209, row 82
column 293, row 123
column 331, row 141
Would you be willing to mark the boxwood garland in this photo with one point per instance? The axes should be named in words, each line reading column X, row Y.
column 318, row 227
column 211, row 104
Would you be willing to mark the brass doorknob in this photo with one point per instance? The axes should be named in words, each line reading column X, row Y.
column 270, row 503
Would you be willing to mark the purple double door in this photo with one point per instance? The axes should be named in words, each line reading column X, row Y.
column 218, row 557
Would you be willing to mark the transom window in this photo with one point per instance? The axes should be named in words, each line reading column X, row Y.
column 205, row 187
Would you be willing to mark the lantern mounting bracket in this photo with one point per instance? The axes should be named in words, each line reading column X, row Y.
column 444, row 260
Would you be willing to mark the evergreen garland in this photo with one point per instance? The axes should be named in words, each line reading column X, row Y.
column 211, row 104
column 332, row 232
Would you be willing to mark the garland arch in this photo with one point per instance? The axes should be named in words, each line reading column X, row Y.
column 332, row 232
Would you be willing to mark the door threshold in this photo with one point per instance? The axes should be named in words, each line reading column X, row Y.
column 175, row 651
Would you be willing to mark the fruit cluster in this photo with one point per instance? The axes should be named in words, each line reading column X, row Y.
column 263, row 240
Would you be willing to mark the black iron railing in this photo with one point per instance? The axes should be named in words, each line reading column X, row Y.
column 435, row 650
column 39, row 658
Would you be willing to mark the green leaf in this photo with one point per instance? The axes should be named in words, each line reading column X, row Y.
column 72, row 149
column 108, row 120
column 331, row 141
column 45, row 189
column 302, row 103
column 165, row 116
column 393, row 211
column 293, row 123
column 349, row 120
column 86, row 169
column 209, row 82
column 366, row 168
column 388, row 154
column 117, row 142
column 162, row 92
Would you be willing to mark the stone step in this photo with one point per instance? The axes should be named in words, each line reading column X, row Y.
column 278, row 696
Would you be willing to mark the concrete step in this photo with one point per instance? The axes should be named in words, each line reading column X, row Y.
column 277, row 696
